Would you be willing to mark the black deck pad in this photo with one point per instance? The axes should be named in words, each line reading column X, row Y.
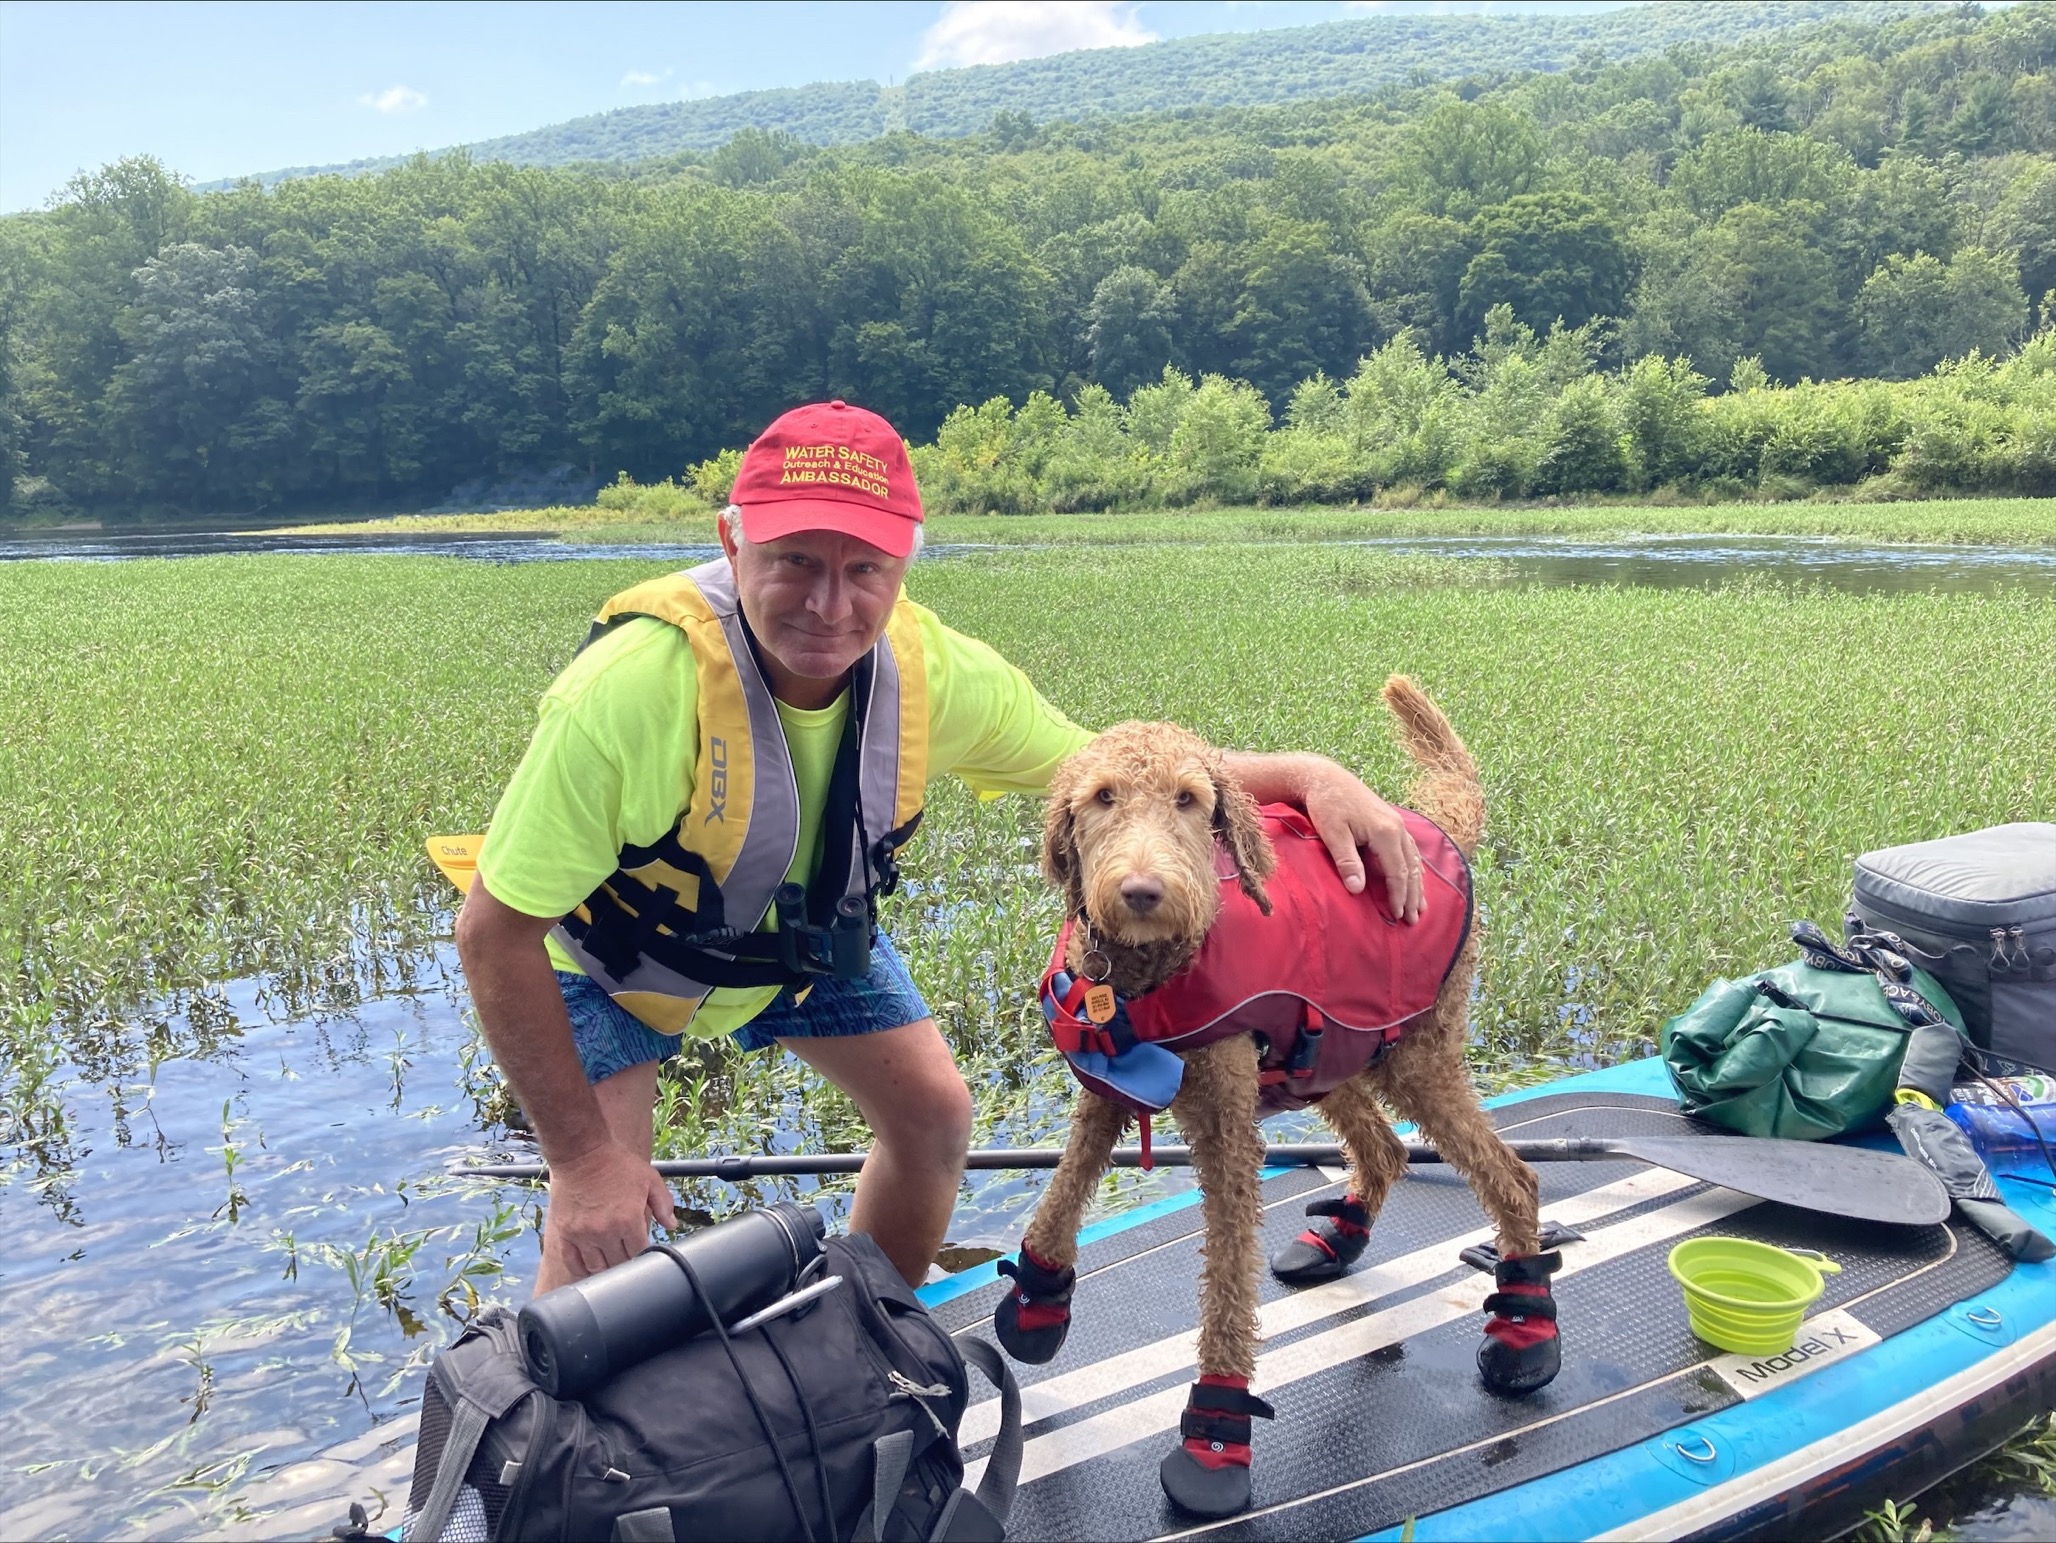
column 1381, row 1414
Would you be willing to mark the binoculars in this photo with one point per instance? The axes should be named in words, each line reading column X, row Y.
column 842, row 949
column 580, row 1335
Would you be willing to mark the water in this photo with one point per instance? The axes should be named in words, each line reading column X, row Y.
column 1662, row 562
column 521, row 546
column 196, row 1317
column 1708, row 561
column 198, row 1320
column 170, row 1320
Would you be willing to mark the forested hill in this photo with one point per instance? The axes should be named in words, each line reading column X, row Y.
column 1240, row 69
column 1849, row 199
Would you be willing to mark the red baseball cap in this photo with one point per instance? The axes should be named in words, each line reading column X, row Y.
column 829, row 466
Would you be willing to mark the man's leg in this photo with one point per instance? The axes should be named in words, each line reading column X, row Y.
column 905, row 1083
column 627, row 1099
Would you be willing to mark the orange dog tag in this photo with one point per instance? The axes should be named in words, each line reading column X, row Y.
column 1099, row 1003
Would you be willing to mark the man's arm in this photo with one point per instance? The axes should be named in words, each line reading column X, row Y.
column 602, row 1195
column 1347, row 815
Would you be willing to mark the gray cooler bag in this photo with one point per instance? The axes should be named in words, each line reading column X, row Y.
column 1978, row 912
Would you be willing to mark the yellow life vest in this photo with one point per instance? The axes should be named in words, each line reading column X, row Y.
column 679, row 917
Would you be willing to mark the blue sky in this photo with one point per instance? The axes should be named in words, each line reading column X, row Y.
column 216, row 90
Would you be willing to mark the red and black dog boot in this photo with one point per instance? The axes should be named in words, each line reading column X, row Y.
column 1208, row 1472
column 1327, row 1248
column 1032, row 1319
column 1521, row 1351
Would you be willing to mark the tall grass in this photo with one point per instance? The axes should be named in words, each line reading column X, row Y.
column 224, row 767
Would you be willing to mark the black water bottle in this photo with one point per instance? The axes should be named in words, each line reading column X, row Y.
column 578, row 1336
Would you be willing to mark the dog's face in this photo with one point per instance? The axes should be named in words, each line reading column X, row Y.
column 1131, row 829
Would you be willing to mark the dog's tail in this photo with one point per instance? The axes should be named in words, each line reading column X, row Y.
column 1447, row 790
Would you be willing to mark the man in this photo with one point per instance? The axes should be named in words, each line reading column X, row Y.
column 769, row 718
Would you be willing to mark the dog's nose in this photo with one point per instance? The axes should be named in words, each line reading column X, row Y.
column 1141, row 893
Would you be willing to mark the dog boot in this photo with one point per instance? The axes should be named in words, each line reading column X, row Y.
column 1521, row 1350
column 1208, row 1473
column 1327, row 1248
column 1032, row 1319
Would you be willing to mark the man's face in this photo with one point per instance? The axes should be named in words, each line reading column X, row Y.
column 817, row 600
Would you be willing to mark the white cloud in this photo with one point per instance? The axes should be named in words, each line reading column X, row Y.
column 645, row 78
column 394, row 99
column 999, row 31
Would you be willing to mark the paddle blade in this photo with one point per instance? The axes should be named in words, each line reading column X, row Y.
column 1813, row 1175
column 457, row 856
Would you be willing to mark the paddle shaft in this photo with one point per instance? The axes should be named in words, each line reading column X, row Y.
column 1300, row 1155
column 1842, row 1181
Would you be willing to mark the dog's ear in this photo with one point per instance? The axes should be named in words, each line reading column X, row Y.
column 1241, row 830
column 1060, row 838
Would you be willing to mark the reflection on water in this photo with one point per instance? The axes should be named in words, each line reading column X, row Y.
column 1663, row 562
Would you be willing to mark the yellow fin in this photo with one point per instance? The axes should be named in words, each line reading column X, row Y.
column 457, row 856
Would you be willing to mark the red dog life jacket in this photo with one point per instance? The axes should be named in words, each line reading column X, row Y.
column 1327, row 980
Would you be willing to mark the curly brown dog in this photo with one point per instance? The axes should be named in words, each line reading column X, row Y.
column 1136, row 825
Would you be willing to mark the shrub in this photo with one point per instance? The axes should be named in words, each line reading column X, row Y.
column 1219, row 442
column 1586, row 447
column 653, row 501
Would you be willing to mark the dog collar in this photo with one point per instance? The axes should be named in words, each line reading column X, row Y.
column 1071, row 1025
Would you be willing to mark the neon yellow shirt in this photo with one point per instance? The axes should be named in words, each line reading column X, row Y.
column 617, row 738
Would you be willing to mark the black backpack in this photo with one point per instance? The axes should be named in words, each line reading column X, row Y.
column 862, row 1391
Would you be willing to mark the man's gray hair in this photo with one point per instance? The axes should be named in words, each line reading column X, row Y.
column 731, row 521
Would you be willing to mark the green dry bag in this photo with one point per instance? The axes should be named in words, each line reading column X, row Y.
column 1808, row 1050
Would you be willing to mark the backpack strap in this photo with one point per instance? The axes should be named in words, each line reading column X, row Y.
column 1003, row 1467
column 982, row 1517
column 889, row 1456
column 467, row 1424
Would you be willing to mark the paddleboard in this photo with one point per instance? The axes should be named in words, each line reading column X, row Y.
column 1927, row 1350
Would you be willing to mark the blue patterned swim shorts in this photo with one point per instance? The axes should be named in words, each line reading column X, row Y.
column 611, row 1039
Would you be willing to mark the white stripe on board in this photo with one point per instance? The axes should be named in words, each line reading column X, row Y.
column 1816, row 1458
column 1156, row 1412
column 1146, row 1363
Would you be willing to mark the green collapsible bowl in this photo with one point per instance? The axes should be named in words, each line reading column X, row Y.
column 1748, row 1297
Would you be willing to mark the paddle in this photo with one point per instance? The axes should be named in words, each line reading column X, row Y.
column 1841, row 1181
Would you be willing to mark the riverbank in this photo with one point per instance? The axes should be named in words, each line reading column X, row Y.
column 2015, row 521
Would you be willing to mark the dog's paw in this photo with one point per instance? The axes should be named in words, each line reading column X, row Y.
column 1208, row 1473
column 1193, row 1486
column 1034, row 1318
column 1522, row 1349
column 1334, row 1242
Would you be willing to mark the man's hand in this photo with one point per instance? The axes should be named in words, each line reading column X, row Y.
column 600, row 1212
column 1349, row 817
column 1346, row 815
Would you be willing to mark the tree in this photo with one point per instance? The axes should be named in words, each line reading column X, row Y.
column 1414, row 275
column 1755, row 283
column 1761, row 97
column 753, row 156
column 1549, row 256
column 1917, row 311
column 1464, row 155
column 1748, row 166
column 192, row 410
column 1130, row 334
column 1981, row 121
column 2025, row 221
column 1302, row 308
